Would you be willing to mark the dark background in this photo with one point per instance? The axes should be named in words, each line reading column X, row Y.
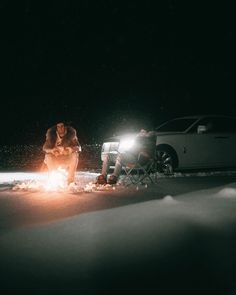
column 110, row 66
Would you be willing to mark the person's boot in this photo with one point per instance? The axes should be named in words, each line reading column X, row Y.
column 101, row 179
column 112, row 179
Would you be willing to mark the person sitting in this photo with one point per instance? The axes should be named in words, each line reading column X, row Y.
column 62, row 149
column 141, row 150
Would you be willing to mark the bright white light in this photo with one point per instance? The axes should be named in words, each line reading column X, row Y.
column 7, row 177
column 126, row 144
column 57, row 179
column 43, row 181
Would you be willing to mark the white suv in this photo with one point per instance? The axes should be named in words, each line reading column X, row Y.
column 207, row 141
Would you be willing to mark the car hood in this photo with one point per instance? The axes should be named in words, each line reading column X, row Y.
column 118, row 138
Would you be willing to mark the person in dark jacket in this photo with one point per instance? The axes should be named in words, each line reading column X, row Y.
column 62, row 148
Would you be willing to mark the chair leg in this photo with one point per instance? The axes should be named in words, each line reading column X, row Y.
column 128, row 175
column 140, row 177
column 146, row 175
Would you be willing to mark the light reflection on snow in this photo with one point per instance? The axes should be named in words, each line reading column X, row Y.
column 8, row 177
column 26, row 181
column 33, row 181
column 55, row 180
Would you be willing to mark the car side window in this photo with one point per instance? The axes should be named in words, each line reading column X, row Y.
column 223, row 125
column 228, row 125
column 208, row 122
column 210, row 125
column 218, row 125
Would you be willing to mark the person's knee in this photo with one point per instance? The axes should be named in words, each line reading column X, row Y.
column 50, row 161
column 73, row 159
column 107, row 158
column 120, row 158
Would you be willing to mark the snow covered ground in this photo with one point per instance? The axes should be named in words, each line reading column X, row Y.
column 31, row 181
column 184, row 243
column 34, row 180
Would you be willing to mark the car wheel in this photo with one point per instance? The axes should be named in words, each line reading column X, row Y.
column 166, row 160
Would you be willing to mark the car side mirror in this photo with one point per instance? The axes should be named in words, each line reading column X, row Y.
column 201, row 129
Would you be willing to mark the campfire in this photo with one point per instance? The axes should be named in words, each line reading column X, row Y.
column 55, row 180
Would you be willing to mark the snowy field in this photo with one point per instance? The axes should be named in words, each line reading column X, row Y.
column 184, row 243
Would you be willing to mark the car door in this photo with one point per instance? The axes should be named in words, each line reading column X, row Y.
column 202, row 149
column 225, row 138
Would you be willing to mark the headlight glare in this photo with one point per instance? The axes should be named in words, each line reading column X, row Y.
column 126, row 144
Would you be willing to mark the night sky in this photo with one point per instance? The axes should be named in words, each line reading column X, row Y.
column 109, row 66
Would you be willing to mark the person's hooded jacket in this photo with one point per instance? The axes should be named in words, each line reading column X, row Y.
column 69, row 139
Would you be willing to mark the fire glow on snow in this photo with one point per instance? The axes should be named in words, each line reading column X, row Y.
column 24, row 181
column 55, row 181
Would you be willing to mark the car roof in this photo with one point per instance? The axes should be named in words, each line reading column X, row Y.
column 196, row 118
column 203, row 116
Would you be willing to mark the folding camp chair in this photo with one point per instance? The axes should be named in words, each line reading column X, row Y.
column 144, row 165
column 140, row 171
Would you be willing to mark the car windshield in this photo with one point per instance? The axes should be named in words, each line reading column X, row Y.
column 176, row 125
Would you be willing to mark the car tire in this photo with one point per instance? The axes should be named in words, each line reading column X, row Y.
column 166, row 160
